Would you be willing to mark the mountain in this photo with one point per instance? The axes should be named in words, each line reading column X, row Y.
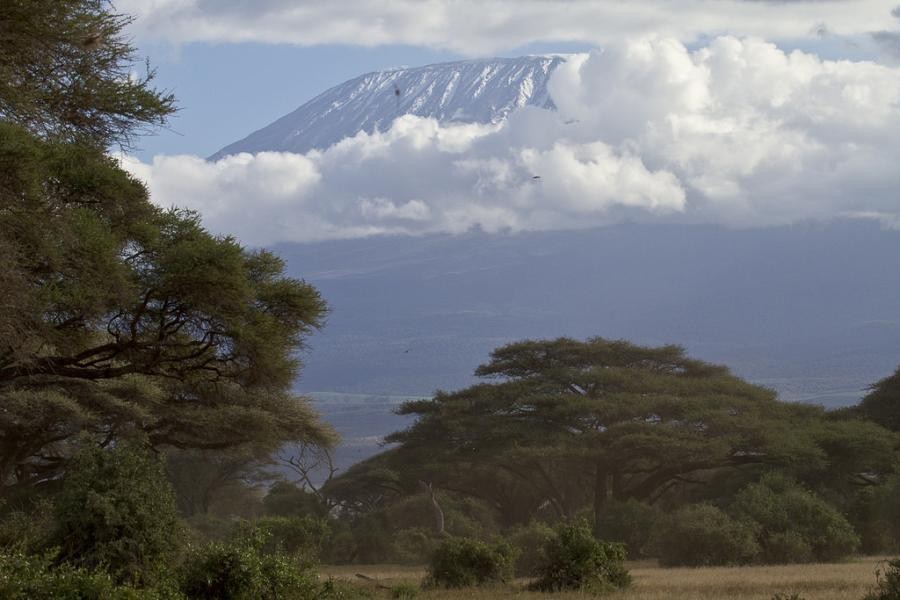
column 812, row 311
column 471, row 91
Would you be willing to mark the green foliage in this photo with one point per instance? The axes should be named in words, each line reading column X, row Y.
column 28, row 529
column 242, row 570
column 66, row 71
column 887, row 583
column 119, row 318
column 414, row 546
column 629, row 522
column 123, row 319
column 576, row 560
column 27, row 577
column 303, row 538
column 404, row 591
column 882, row 403
column 530, row 541
column 793, row 524
column 210, row 528
column 460, row 562
column 285, row 499
column 703, row 535
column 116, row 511
column 566, row 423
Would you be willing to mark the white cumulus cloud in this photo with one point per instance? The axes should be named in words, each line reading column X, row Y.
column 478, row 27
column 737, row 132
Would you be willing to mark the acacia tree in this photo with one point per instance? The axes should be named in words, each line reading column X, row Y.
column 882, row 403
column 576, row 423
column 118, row 317
column 67, row 72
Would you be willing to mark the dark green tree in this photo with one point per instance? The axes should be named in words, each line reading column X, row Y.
column 882, row 403
column 119, row 318
column 67, row 73
column 792, row 524
column 116, row 512
column 571, row 423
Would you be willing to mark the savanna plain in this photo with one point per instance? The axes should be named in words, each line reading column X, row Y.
column 826, row 581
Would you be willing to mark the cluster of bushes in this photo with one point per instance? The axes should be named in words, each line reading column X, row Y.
column 569, row 558
column 774, row 521
column 111, row 531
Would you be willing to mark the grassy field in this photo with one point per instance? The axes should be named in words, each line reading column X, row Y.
column 841, row 581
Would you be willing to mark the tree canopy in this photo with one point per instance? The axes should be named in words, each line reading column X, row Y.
column 563, row 424
column 118, row 317
column 67, row 71
column 882, row 403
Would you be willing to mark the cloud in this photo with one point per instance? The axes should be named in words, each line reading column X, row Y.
column 478, row 27
column 736, row 132
column 889, row 42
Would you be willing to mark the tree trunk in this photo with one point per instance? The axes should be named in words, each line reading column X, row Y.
column 438, row 513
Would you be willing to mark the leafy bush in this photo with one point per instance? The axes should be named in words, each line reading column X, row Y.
column 887, row 583
column 875, row 515
column 116, row 511
column 242, row 570
column 530, row 541
column 793, row 524
column 414, row 546
column 26, row 577
column 461, row 562
column 576, row 560
column 629, row 522
column 303, row 538
column 27, row 530
column 700, row 535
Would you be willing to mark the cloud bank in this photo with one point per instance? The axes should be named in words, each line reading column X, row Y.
column 737, row 132
column 479, row 27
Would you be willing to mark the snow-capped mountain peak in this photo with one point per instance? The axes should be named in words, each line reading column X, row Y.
column 471, row 91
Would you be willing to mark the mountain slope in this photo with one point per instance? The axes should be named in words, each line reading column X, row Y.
column 812, row 311
column 472, row 91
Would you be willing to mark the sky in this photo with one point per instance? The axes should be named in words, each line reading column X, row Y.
column 737, row 112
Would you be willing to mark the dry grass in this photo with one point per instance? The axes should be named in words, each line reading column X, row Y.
column 841, row 581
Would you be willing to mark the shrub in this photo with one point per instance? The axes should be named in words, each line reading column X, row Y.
column 887, row 583
column 241, row 570
column 27, row 530
column 303, row 538
column 700, row 535
column 875, row 514
column 792, row 524
column 629, row 522
column 461, row 562
column 25, row 577
column 529, row 542
column 414, row 546
column 576, row 560
column 116, row 511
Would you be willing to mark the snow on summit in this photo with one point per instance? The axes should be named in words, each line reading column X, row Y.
column 471, row 91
